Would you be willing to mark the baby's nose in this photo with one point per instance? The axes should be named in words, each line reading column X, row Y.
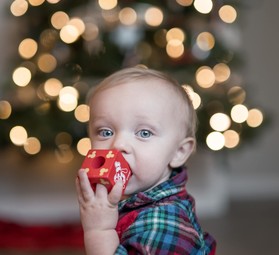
column 121, row 143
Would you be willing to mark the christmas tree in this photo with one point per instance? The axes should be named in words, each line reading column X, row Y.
column 65, row 47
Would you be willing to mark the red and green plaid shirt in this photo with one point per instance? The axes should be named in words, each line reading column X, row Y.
column 162, row 221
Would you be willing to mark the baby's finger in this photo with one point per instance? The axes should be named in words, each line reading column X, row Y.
column 101, row 191
column 116, row 193
column 84, row 187
column 78, row 189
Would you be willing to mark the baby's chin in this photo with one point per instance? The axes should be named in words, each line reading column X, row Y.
column 131, row 187
column 134, row 187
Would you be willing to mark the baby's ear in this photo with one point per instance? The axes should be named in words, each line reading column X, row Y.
column 183, row 152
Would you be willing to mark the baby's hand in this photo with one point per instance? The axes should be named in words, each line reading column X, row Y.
column 98, row 210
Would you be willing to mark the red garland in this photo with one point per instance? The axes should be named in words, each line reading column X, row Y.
column 16, row 236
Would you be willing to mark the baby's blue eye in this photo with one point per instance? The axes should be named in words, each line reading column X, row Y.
column 105, row 133
column 144, row 133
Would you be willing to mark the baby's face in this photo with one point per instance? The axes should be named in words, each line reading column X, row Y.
column 142, row 120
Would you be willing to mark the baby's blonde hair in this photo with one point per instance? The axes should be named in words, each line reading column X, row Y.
column 142, row 73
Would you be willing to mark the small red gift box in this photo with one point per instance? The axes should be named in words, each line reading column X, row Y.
column 106, row 167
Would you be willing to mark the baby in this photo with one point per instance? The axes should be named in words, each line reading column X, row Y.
column 149, row 118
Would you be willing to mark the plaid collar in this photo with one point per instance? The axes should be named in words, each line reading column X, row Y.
column 174, row 185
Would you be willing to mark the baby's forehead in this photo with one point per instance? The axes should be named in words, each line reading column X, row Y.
column 149, row 84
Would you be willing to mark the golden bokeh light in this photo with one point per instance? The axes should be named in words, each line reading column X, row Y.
column 83, row 146
column 22, row 76
column 203, row 6
column 69, row 34
column 32, row 145
column 128, row 16
column 175, row 48
column 236, row 95
column 222, row 72
column 68, row 99
column 195, row 97
column 239, row 113
column 52, row 87
column 205, row 77
column 196, row 100
column 175, row 38
column 5, row 109
column 232, row 139
column 220, row 121
column 53, row 1
column 78, row 24
column 59, row 19
column 215, row 141
column 47, row 63
column 27, row 48
column 175, row 34
column 19, row 7
column 153, row 16
column 255, row 118
column 205, row 41
column 107, row 4
column 184, row 2
column 36, row 2
column 18, row 135
column 82, row 113
column 227, row 13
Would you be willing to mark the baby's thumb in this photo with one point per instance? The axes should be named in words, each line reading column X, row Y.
column 116, row 193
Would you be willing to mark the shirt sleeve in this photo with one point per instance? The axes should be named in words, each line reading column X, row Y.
column 162, row 230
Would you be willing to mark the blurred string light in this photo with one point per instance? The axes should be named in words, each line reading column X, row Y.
column 82, row 113
column 5, row 109
column 205, row 41
column 239, row 113
column 127, row 16
column 59, row 19
column 68, row 99
column 107, row 4
column 27, row 48
column 19, row 137
column 255, row 118
column 184, row 2
column 205, row 77
column 231, row 139
column 220, row 121
column 32, row 145
column 227, row 13
column 215, row 141
column 83, row 145
column 222, row 72
column 36, row 2
column 41, row 56
column 203, row 6
column 196, row 99
column 154, row 16
column 47, row 63
column 175, row 38
column 19, row 7
column 22, row 76
column 52, row 87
